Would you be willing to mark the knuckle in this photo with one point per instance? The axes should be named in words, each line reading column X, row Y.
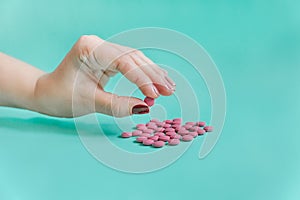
column 85, row 45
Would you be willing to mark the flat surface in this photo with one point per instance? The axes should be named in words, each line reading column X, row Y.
column 256, row 45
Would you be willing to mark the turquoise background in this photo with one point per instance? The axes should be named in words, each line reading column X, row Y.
column 256, row 46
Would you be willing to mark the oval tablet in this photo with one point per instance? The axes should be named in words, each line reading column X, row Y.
column 159, row 134
column 187, row 138
column 145, row 135
column 194, row 134
column 148, row 131
column 194, row 128
column 126, row 135
column 137, row 133
column 208, row 128
column 164, row 138
column 158, row 144
column 140, row 139
column 154, row 137
column 176, row 136
column 173, row 142
column 201, row 131
column 190, row 123
column 169, row 129
column 148, row 142
column 168, row 121
column 200, row 124
column 149, row 101
column 167, row 125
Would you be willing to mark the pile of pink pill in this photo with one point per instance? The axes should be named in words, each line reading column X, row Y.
column 171, row 132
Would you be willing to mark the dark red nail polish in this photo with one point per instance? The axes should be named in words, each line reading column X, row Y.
column 140, row 109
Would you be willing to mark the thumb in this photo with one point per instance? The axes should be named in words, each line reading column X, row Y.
column 119, row 106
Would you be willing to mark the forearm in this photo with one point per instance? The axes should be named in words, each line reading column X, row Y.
column 17, row 83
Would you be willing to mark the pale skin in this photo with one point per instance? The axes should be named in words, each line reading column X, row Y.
column 88, row 65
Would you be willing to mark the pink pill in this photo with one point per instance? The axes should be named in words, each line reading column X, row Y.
column 148, row 142
column 152, row 127
column 208, row 128
column 190, row 123
column 200, row 131
column 171, row 134
column 168, row 121
column 164, row 138
column 201, row 124
column 137, row 133
column 151, row 124
column 154, row 137
column 169, row 130
column 177, row 120
column 141, row 139
column 176, row 136
column 148, row 131
column 187, row 138
column 158, row 144
column 173, row 142
column 194, row 134
column 167, row 125
column 183, row 132
column 142, row 128
column 159, row 134
column 145, row 135
column 140, row 125
column 149, row 101
column 126, row 135
column 154, row 120
column 187, row 126
column 160, row 124
column 194, row 128
column 160, row 129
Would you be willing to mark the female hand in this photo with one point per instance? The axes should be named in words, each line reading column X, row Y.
column 90, row 64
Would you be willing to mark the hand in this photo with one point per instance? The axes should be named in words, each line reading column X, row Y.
column 90, row 63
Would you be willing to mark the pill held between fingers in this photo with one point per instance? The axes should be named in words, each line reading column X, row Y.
column 201, row 131
column 149, row 101
column 158, row 144
column 141, row 139
column 137, row 133
column 148, row 142
column 187, row 138
column 173, row 142
column 208, row 128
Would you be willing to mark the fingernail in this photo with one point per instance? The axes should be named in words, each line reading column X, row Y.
column 170, row 81
column 140, row 109
column 155, row 90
